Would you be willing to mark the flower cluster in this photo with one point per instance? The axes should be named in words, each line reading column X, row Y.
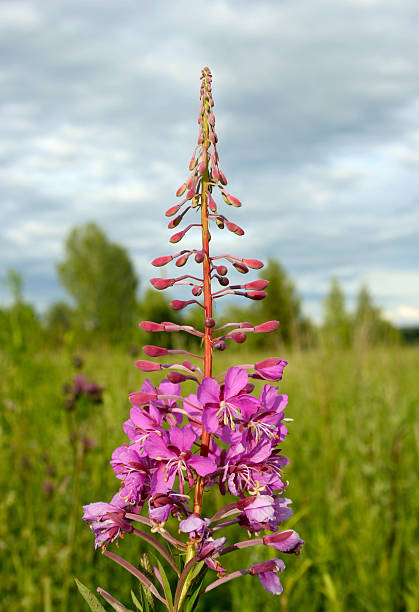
column 225, row 434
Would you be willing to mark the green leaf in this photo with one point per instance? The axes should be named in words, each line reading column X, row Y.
column 116, row 605
column 136, row 602
column 89, row 597
column 191, row 603
column 166, row 586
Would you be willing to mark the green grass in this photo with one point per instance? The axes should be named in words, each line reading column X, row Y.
column 353, row 452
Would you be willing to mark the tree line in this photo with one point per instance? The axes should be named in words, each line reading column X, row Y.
column 102, row 285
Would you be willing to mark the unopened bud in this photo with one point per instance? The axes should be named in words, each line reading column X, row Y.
column 211, row 204
column 162, row 283
column 150, row 326
column 201, row 168
column 154, row 351
column 179, row 304
column 240, row 267
column 269, row 326
column 177, row 377
column 175, row 222
column 256, row 295
column 177, row 237
column 173, row 210
column 267, row 363
column 181, row 190
column 230, row 199
column 239, row 337
column 199, row 256
column 196, row 290
column 139, row 398
column 195, row 200
column 209, row 322
column 255, row 264
column 161, row 261
column 192, row 163
column 220, row 222
column 221, row 270
column 232, row 227
column 190, row 181
column 182, row 260
column 147, row 366
column 220, row 345
column 223, row 280
column 223, row 179
column 257, row 284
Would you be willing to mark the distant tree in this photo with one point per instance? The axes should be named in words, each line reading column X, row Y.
column 282, row 303
column 21, row 329
column 100, row 277
column 154, row 306
column 337, row 322
column 58, row 321
column 369, row 326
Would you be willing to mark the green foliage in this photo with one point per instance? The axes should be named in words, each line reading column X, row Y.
column 59, row 322
column 353, row 477
column 89, row 597
column 100, row 277
column 337, row 322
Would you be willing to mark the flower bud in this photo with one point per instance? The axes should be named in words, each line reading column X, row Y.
column 147, row 366
column 220, row 222
column 175, row 222
column 255, row 264
column 181, row 190
column 177, row 237
column 269, row 326
column 201, row 168
column 209, row 322
column 191, row 192
column 179, row 304
column 197, row 290
column 139, row 398
column 232, row 227
column 220, row 345
column 239, row 337
column 211, row 204
column 162, row 283
column 190, row 181
column 223, row 179
column 240, row 267
column 256, row 295
column 150, row 326
column 230, row 199
column 182, row 260
column 177, row 377
column 223, row 280
column 161, row 261
column 257, row 284
column 199, row 257
column 195, row 200
column 267, row 363
column 154, row 351
column 173, row 210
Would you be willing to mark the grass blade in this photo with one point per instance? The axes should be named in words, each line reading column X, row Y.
column 89, row 597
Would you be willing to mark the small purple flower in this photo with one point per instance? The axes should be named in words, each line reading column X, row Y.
column 223, row 405
column 268, row 574
column 106, row 521
column 173, row 453
column 285, row 541
column 195, row 526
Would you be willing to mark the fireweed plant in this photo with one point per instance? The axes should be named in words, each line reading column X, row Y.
column 222, row 435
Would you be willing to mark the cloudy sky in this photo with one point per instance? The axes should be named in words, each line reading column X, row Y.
column 317, row 110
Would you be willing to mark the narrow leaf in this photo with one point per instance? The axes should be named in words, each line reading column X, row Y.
column 166, row 586
column 191, row 603
column 116, row 605
column 89, row 597
column 135, row 572
column 136, row 602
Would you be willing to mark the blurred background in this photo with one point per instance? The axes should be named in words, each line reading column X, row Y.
column 316, row 107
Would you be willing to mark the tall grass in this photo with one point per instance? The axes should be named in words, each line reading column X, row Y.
column 353, row 451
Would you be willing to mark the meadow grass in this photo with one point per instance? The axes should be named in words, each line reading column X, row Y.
column 353, row 451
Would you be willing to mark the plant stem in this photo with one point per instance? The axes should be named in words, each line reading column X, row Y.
column 206, row 266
